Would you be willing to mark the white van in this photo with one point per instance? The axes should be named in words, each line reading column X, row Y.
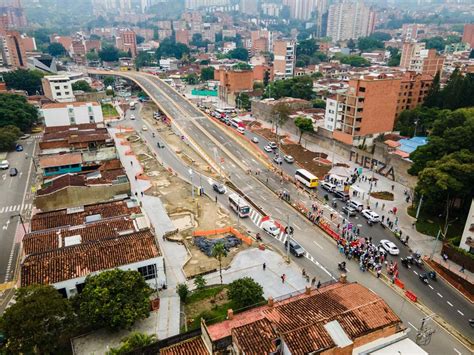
column 359, row 206
column 241, row 130
column 328, row 186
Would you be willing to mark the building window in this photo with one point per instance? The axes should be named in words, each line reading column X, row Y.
column 57, row 87
column 58, row 94
column 361, row 89
column 91, row 119
column 72, row 120
column 66, row 93
column 65, row 86
column 148, row 272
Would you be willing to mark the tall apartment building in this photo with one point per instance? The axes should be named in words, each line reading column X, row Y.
column 372, row 104
column 322, row 17
column 349, row 19
column 262, row 40
column 58, row 88
column 284, row 52
column 415, row 57
column 249, row 7
column 196, row 4
column 12, row 50
column 271, row 9
column 410, row 31
column 12, row 14
column 126, row 41
column 301, row 9
column 468, row 34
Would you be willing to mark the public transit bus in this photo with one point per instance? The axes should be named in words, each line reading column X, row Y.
column 236, row 122
column 239, row 205
column 305, row 177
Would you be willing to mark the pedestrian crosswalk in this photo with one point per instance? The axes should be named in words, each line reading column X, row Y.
column 15, row 208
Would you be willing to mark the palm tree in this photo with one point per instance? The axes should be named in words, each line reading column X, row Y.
column 219, row 251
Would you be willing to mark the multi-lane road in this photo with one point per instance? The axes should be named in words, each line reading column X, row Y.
column 16, row 200
column 235, row 160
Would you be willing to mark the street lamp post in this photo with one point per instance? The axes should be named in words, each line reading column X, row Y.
column 21, row 221
column 192, row 182
column 374, row 167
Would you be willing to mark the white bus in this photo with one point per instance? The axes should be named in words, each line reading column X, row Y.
column 239, row 205
column 305, row 177
column 236, row 122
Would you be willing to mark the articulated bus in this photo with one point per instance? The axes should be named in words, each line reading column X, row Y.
column 239, row 205
column 305, row 177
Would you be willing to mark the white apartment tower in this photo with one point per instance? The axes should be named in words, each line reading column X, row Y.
column 349, row 19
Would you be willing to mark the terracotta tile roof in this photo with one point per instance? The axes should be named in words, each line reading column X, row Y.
column 300, row 319
column 62, row 182
column 42, row 241
column 82, row 259
column 193, row 346
column 392, row 143
column 402, row 153
column 255, row 338
column 60, row 218
column 50, row 161
column 82, row 126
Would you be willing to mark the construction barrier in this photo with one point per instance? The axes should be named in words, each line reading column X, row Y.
column 206, row 233
column 411, row 296
column 399, row 283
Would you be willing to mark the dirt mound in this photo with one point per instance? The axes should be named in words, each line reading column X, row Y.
column 315, row 162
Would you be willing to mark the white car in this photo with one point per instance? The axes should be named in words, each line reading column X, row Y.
column 371, row 216
column 144, row 128
column 390, row 247
column 270, row 228
column 255, row 140
column 273, row 145
column 132, row 117
column 268, row 149
column 289, row 159
column 4, row 165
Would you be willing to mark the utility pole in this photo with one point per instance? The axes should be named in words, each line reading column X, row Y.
column 434, row 244
column 419, row 207
column 288, row 238
column 21, row 221
column 374, row 166
column 192, row 182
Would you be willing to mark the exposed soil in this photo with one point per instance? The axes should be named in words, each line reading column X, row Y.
column 382, row 195
column 196, row 308
column 268, row 134
column 315, row 162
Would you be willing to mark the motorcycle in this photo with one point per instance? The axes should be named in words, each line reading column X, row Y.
column 370, row 223
column 432, row 275
column 404, row 261
column 153, row 135
column 424, row 277
column 419, row 263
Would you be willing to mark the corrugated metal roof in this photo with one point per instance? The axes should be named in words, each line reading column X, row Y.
column 338, row 335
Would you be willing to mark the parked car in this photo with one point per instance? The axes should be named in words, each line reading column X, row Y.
column 390, row 247
column 344, row 196
column 268, row 149
column 19, row 148
column 219, row 188
column 144, row 128
column 289, row 159
column 241, row 130
column 278, row 160
column 4, row 165
column 255, row 140
column 295, row 248
column 371, row 216
column 132, row 117
column 13, row 172
column 348, row 210
column 359, row 206
column 271, row 228
column 273, row 145
column 328, row 186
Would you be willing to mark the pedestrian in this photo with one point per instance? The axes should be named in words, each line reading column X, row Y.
column 379, row 271
column 303, row 272
column 401, row 234
column 377, row 204
column 413, row 225
column 216, row 198
column 136, row 178
column 283, row 277
column 393, row 187
column 383, row 217
column 383, row 206
column 136, row 194
column 462, row 269
column 318, row 285
column 142, row 193
column 131, row 163
column 313, row 281
column 264, row 266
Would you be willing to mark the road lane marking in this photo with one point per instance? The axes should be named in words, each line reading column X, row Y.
column 296, row 226
column 449, row 303
column 411, row 325
column 315, row 242
column 457, row 351
column 440, row 295
column 460, row 312
column 431, row 287
column 415, row 272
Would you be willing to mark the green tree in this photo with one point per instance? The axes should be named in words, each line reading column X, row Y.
column 241, row 66
column 381, row 36
column 351, row 44
column 140, row 39
column 191, row 79
column 366, row 44
column 37, row 320
column 183, row 291
column 395, row 57
column 92, row 56
column 21, row 79
column 434, row 93
column 245, row 292
column 304, row 125
column 306, row 47
column 200, row 282
column 299, row 87
column 266, row 78
column 56, row 49
column 134, row 341
column 16, row 111
column 281, row 112
column 319, row 103
column 144, row 59
column 219, row 251
column 418, row 121
column 207, row 73
column 114, row 299
column 109, row 81
column 437, row 43
column 82, row 85
column 8, row 137
column 243, row 101
column 109, row 54
column 239, row 53
column 169, row 48
column 354, row 60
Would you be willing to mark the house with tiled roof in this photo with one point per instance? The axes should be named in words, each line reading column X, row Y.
column 66, row 245
column 338, row 318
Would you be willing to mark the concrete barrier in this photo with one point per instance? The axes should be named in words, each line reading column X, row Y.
column 411, row 296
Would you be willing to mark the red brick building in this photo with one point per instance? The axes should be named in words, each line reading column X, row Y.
column 468, row 34
column 126, row 41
